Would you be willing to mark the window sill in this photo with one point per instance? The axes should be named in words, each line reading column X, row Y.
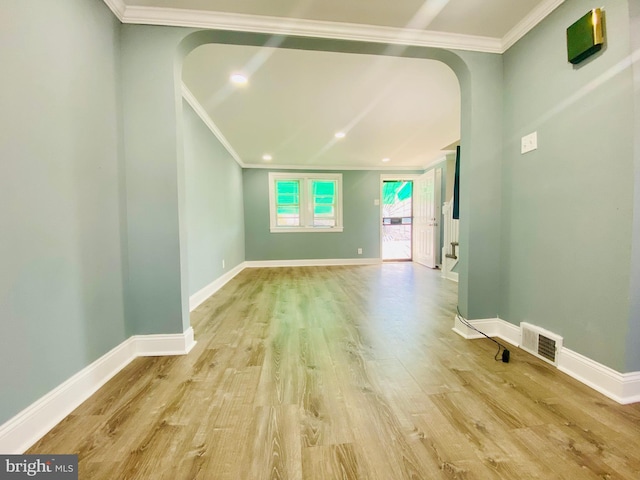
column 305, row 230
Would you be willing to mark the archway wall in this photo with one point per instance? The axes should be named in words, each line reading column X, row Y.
column 157, row 300
column 156, row 297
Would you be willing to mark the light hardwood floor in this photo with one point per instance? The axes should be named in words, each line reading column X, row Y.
column 344, row 373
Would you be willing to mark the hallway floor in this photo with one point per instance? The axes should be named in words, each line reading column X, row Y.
column 344, row 373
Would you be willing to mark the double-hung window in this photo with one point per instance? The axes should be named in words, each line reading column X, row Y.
column 305, row 202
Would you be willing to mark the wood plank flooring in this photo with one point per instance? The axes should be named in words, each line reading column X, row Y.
column 344, row 373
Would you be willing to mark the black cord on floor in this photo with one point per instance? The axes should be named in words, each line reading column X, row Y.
column 505, row 352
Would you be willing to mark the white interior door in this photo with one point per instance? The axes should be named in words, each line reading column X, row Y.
column 426, row 231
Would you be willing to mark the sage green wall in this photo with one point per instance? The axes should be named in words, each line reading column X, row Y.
column 633, row 336
column 61, row 295
column 567, row 207
column 480, row 185
column 361, row 218
column 214, row 209
column 157, row 289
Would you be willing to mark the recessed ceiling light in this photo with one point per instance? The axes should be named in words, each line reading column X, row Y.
column 386, row 160
column 267, row 157
column 340, row 135
column 239, row 79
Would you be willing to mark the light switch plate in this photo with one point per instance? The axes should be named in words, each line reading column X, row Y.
column 529, row 142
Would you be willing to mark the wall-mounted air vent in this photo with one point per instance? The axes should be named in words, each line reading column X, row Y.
column 540, row 342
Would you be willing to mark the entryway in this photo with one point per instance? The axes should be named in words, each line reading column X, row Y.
column 411, row 218
column 397, row 220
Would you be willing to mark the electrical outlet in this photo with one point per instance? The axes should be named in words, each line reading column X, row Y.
column 359, row 251
column 222, row 263
column 529, row 143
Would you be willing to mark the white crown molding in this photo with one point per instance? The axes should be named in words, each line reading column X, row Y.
column 27, row 427
column 623, row 388
column 315, row 168
column 118, row 8
column 177, row 17
column 529, row 22
column 435, row 161
column 204, row 116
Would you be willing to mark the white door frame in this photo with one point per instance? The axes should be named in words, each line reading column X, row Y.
column 394, row 177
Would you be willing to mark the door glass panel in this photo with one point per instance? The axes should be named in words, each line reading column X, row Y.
column 397, row 218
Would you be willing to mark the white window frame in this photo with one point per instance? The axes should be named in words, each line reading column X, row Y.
column 306, row 202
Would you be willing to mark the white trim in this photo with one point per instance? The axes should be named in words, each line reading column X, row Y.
column 204, row 116
column 394, row 177
column 27, row 427
column 201, row 295
column 432, row 163
column 527, row 24
column 447, row 266
column 369, row 168
column 398, row 176
column 623, row 388
column 178, row 17
column 494, row 327
column 164, row 344
column 453, row 276
column 305, row 199
column 323, row 29
column 312, row 262
column 118, row 8
column 24, row 429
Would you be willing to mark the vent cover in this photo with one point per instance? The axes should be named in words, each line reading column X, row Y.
column 540, row 342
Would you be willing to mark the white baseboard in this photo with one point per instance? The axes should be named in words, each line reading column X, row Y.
column 494, row 327
column 623, row 388
column 452, row 276
column 27, row 427
column 312, row 262
column 201, row 295
column 164, row 345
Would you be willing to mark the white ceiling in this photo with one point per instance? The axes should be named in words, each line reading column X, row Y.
column 404, row 109
column 398, row 108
